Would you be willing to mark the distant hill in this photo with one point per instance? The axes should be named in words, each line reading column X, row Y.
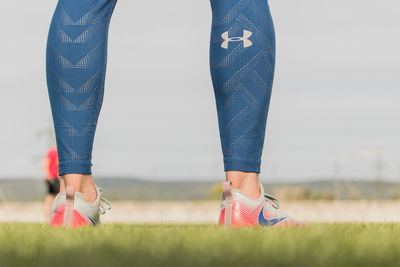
column 114, row 189
column 136, row 189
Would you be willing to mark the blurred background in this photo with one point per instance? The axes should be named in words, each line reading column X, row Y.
column 333, row 130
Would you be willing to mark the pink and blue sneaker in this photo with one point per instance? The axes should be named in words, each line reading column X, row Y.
column 237, row 210
column 71, row 210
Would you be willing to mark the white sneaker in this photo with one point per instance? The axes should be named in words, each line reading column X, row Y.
column 71, row 210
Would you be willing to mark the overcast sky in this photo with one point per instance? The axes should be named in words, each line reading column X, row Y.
column 336, row 96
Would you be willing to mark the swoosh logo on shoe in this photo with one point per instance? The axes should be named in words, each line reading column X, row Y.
column 263, row 221
column 94, row 223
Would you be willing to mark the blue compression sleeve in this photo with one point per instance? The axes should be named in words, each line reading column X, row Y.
column 242, row 59
column 76, row 64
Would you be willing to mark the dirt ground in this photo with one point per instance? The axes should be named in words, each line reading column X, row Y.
column 207, row 212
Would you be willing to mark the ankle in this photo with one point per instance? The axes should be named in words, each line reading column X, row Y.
column 82, row 183
column 247, row 182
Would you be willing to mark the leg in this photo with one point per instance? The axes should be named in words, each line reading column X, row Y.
column 48, row 200
column 53, row 188
column 83, row 183
column 76, row 64
column 242, row 59
column 248, row 182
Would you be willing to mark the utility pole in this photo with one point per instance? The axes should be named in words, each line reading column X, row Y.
column 154, row 171
column 47, row 133
column 379, row 168
column 337, row 188
column 3, row 196
column 398, row 180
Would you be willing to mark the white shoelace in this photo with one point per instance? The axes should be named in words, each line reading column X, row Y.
column 272, row 200
column 104, row 204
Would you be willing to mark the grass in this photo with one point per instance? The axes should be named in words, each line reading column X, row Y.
column 200, row 245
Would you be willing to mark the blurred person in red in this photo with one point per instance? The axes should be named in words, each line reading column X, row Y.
column 50, row 167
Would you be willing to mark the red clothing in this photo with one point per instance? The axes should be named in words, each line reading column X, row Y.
column 52, row 158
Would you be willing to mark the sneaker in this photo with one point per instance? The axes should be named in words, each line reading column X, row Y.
column 71, row 210
column 237, row 210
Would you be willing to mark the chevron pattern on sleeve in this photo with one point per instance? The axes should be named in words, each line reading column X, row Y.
column 242, row 61
column 76, row 65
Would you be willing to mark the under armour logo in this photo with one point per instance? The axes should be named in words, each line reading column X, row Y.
column 244, row 39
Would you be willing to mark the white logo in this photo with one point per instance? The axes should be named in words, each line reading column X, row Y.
column 244, row 39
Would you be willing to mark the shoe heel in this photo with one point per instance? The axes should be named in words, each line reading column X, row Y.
column 69, row 206
column 227, row 187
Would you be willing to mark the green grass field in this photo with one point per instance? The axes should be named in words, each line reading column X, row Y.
column 200, row 245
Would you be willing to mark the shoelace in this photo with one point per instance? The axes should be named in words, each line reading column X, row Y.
column 273, row 200
column 104, row 204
